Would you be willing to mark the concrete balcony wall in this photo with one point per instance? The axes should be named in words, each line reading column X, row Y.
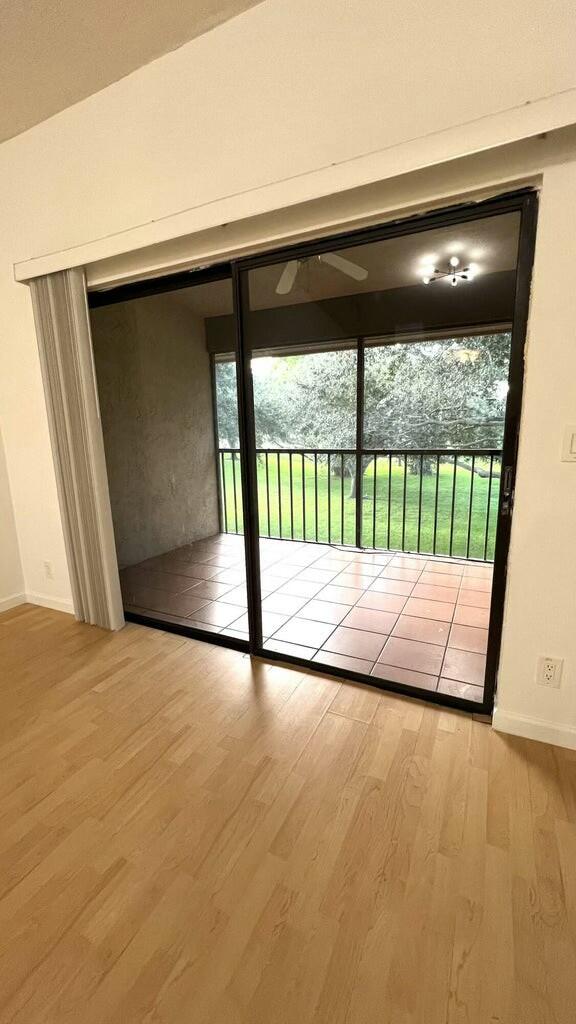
column 155, row 395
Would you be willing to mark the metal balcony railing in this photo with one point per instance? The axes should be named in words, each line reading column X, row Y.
column 432, row 501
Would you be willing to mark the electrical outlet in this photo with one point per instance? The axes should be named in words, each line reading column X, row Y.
column 49, row 570
column 549, row 671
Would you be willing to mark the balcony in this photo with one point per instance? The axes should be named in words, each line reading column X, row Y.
column 410, row 604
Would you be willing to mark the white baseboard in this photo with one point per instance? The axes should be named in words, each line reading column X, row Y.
column 47, row 601
column 535, row 729
column 12, row 601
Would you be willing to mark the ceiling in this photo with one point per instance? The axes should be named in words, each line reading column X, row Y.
column 491, row 243
column 395, row 263
column 54, row 53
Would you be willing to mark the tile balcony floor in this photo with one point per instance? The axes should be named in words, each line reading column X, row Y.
column 408, row 618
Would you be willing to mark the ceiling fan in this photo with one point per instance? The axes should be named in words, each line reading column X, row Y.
column 290, row 271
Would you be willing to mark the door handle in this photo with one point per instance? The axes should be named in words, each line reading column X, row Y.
column 507, row 492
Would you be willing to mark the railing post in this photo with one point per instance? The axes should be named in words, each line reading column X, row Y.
column 268, row 495
column 488, row 508
column 224, row 498
column 216, row 435
column 359, row 437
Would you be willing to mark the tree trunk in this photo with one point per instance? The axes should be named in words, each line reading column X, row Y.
column 353, row 480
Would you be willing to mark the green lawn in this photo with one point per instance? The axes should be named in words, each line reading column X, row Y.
column 300, row 516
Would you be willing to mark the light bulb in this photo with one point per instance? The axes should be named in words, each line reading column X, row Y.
column 454, row 261
column 426, row 280
column 454, row 282
column 473, row 270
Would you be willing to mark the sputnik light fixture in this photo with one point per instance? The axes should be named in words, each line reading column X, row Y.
column 452, row 272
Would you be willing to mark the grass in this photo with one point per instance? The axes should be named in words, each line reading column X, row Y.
column 294, row 512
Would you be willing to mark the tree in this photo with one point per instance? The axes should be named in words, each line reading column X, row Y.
column 227, row 405
column 449, row 393
column 322, row 398
column 277, row 411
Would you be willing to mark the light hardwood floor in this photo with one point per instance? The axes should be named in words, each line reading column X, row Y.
column 191, row 838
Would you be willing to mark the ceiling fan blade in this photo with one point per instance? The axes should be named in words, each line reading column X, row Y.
column 346, row 266
column 287, row 278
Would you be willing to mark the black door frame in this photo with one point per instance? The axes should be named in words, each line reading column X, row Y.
column 525, row 202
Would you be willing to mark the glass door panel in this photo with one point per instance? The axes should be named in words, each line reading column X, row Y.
column 380, row 384
column 181, row 557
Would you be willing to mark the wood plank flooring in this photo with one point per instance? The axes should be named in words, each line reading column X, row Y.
column 189, row 837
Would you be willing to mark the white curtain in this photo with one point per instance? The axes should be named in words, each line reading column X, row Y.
column 63, row 330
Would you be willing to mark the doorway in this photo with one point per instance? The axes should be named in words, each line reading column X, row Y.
column 364, row 397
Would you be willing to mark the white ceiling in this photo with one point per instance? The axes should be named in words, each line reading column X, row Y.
column 54, row 53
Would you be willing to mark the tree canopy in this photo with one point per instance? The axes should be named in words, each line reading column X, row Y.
column 427, row 394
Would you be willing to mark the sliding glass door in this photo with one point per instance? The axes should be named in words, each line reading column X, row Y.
column 311, row 453
column 383, row 398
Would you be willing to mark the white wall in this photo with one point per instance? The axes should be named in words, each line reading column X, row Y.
column 541, row 595
column 277, row 106
column 28, row 451
column 11, row 579
column 286, row 102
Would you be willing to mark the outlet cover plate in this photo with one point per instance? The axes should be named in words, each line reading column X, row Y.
column 549, row 672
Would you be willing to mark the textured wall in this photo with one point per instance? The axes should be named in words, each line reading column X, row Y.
column 156, row 403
